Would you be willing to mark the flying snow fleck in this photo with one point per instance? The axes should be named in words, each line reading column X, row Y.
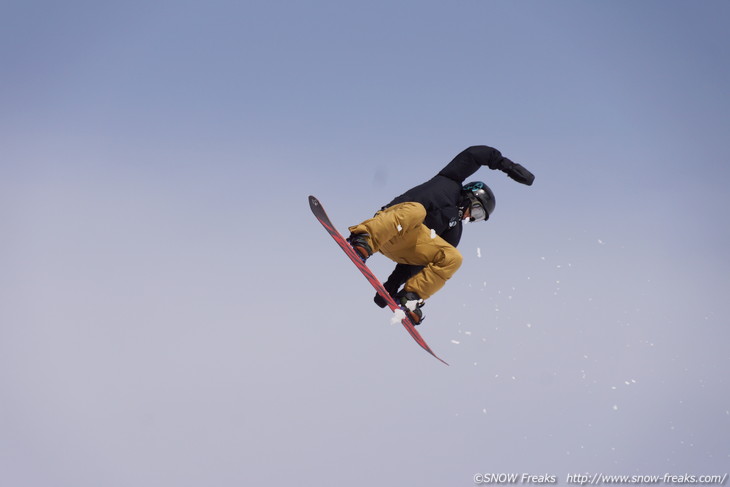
column 433, row 233
column 479, row 252
column 455, row 342
column 400, row 228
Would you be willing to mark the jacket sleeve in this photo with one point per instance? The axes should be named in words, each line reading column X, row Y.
column 468, row 161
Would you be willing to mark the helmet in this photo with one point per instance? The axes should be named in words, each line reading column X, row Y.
column 480, row 199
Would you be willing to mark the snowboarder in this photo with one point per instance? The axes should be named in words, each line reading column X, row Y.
column 420, row 229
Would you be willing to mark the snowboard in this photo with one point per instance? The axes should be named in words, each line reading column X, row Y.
column 321, row 215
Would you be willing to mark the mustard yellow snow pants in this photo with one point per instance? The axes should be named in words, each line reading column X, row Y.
column 398, row 233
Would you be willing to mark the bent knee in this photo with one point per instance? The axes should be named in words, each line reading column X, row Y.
column 419, row 211
column 452, row 259
column 411, row 213
column 406, row 216
column 455, row 257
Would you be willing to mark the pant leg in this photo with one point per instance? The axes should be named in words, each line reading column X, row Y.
column 398, row 233
column 391, row 223
column 418, row 247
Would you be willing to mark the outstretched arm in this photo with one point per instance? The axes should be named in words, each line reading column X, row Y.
column 471, row 159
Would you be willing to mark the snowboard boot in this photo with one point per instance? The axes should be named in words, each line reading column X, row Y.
column 411, row 303
column 359, row 242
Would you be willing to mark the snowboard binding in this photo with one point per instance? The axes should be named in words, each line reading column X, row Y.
column 359, row 243
column 411, row 304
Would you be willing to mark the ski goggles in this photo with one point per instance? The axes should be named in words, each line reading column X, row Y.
column 477, row 213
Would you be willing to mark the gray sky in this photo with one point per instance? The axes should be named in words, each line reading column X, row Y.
column 172, row 314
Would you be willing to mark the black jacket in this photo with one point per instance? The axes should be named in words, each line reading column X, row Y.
column 442, row 197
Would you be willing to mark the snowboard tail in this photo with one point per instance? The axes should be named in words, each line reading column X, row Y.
column 321, row 215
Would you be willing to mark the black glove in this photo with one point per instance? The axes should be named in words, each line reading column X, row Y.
column 392, row 289
column 380, row 301
column 397, row 278
column 519, row 173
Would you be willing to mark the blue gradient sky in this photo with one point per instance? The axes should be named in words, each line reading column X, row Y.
column 172, row 314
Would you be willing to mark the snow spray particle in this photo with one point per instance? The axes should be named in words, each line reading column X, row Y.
column 398, row 316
